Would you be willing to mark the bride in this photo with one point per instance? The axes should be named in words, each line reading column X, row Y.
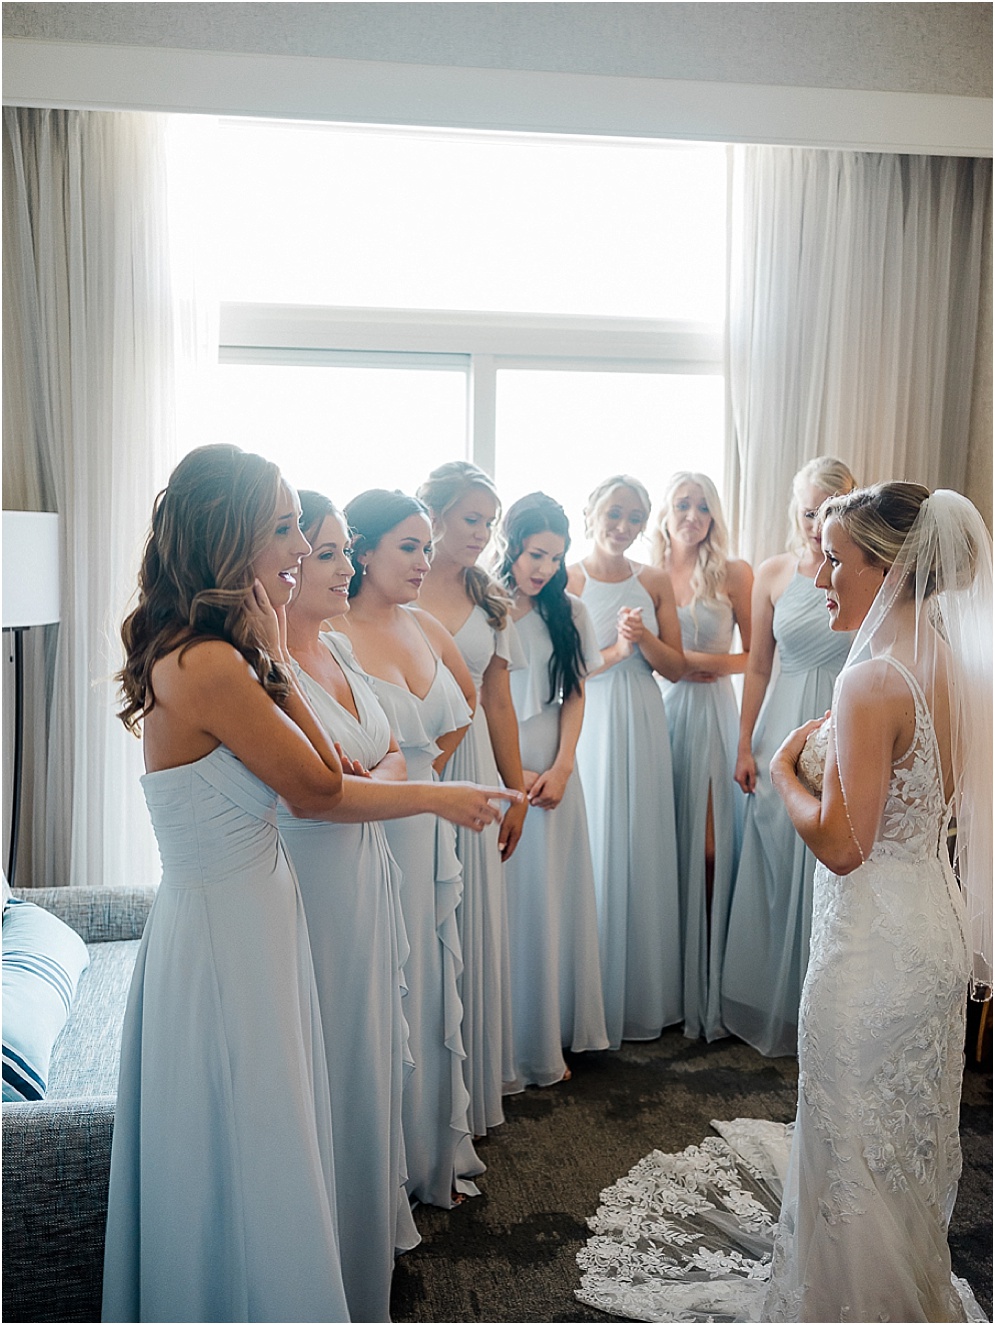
column 870, row 1184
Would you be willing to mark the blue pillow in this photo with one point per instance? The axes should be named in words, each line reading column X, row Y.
column 43, row 960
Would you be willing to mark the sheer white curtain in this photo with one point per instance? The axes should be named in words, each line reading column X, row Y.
column 854, row 292
column 89, row 329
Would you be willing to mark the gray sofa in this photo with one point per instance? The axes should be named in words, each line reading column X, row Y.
column 56, row 1153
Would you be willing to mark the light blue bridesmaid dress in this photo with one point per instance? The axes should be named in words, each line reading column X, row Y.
column 556, row 993
column 623, row 757
column 439, row 1150
column 485, row 985
column 770, row 919
column 349, row 884
column 222, row 1190
column 704, row 736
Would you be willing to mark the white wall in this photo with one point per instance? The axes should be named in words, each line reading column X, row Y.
column 901, row 77
column 913, row 48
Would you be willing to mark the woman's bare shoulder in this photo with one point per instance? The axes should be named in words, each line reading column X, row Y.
column 430, row 625
column 655, row 579
column 197, row 661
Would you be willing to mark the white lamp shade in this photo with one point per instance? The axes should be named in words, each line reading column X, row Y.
column 30, row 568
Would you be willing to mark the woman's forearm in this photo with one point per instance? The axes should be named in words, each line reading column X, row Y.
column 671, row 663
column 719, row 664
column 754, row 690
column 571, row 722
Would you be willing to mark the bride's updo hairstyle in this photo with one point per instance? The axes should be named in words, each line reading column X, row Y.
column 602, row 494
column 880, row 519
column 209, row 525
column 831, row 476
column 440, row 492
column 371, row 515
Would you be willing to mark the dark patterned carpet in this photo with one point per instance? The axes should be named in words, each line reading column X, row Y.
column 508, row 1255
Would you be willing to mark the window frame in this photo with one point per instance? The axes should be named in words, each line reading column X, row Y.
column 479, row 344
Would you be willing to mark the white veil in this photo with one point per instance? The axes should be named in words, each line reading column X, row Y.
column 944, row 569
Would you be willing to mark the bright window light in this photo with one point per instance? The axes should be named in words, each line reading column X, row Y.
column 436, row 219
column 563, row 432
column 342, row 430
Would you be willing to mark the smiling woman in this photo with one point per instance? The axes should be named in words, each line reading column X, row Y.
column 224, row 980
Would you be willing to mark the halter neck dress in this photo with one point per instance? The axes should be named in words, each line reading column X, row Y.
column 349, row 883
column 221, row 1204
column 485, row 985
column 623, row 757
column 556, row 995
column 439, row 1151
column 704, row 735
column 771, row 914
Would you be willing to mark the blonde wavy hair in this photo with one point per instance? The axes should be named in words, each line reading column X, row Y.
column 708, row 577
column 440, row 492
column 831, row 476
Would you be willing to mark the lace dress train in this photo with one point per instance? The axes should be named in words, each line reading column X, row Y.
column 875, row 1154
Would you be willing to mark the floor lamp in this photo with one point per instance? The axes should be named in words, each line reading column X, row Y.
column 30, row 598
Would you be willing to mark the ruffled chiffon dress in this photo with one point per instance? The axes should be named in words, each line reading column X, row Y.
column 871, row 1177
column 770, row 918
column 222, row 1188
column 704, row 736
column 485, row 985
column 556, row 995
column 350, row 883
column 623, row 757
column 438, row 1147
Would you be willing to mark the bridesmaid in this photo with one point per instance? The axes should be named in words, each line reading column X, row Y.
column 713, row 596
column 349, row 883
column 623, row 757
column 420, row 680
column 474, row 610
column 769, row 922
column 552, row 917
column 221, row 1203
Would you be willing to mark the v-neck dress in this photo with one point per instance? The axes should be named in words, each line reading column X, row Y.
column 350, row 884
column 623, row 756
column 439, row 1150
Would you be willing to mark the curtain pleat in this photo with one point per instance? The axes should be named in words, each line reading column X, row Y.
column 89, row 369
column 855, row 281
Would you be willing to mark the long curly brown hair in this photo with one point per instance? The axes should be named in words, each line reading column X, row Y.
column 209, row 525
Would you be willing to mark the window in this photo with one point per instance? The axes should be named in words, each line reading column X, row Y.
column 549, row 306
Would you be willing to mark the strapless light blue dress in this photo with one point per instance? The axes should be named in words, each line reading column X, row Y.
column 438, row 1147
column 771, row 915
column 623, row 756
column 556, row 995
column 349, row 883
column 222, row 1189
column 704, row 735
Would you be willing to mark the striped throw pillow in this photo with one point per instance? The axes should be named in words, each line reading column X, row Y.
column 43, row 960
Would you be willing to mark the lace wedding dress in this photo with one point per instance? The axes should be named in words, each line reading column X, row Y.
column 869, row 1186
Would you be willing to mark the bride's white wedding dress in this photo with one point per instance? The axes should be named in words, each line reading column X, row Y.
column 875, row 1153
